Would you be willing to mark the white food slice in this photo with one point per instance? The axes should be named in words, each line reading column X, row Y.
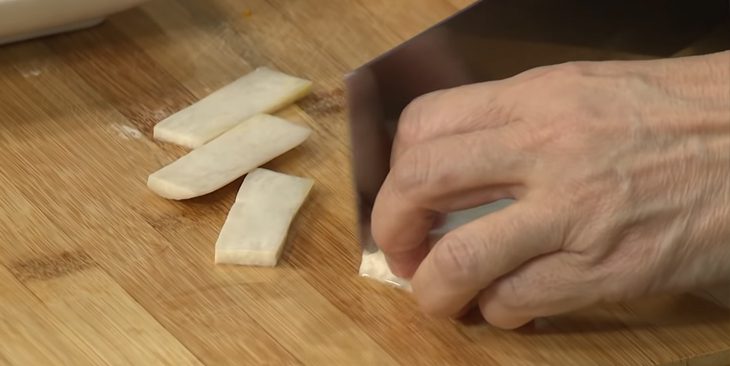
column 261, row 91
column 228, row 157
column 257, row 225
column 374, row 266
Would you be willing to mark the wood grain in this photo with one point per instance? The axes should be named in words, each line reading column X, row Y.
column 95, row 269
column 32, row 334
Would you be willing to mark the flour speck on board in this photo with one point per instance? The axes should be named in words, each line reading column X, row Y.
column 159, row 114
column 31, row 73
column 127, row 132
column 32, row 69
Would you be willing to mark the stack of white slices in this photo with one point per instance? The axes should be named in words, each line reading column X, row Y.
column 231, row 135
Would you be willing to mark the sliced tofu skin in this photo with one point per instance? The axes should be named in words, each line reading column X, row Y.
column 261, row 91
column 230, row 156
column 257, row 225
column 375, row 266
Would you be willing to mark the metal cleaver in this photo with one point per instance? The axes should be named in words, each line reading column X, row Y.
column 494, row 39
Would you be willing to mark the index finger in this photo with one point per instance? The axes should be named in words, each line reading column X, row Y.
column 446, row 112
column 442, row 176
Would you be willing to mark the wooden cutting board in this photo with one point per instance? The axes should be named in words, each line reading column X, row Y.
column 95, row 269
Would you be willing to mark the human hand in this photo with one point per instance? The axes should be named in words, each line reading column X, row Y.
column 621, row 175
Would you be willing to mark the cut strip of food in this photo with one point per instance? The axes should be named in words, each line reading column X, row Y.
column 247, row 146
column 258, row 224
column 375, row 266
column 261, row 91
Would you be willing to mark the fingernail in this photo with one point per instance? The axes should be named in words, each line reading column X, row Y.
column 405, row 264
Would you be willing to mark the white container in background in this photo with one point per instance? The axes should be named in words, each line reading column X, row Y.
column 25, row 19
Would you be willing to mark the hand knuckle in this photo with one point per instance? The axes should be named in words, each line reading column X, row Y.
column 412, row 171
column 512, row 294
column 559, row 83
column 412, row 121
column 566, row 71
column 457, row 259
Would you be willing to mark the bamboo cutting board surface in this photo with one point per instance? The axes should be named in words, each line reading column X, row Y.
column 95, row 269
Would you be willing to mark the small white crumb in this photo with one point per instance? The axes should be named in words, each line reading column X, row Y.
column 127, row 132
column 159, row 114
column 31, row 73
column 374, row 266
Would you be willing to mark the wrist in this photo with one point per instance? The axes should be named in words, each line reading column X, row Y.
column 716, row 87
column 698, row 88
column 716, row 76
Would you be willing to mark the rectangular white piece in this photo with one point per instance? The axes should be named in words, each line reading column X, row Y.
column 247, row 146
column 374, row 266
column 257, row 225
column 261, row 91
